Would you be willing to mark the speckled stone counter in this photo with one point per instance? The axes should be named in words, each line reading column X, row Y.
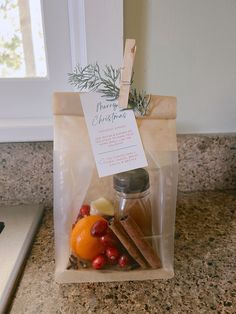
column 206, row 162
column 205, row 269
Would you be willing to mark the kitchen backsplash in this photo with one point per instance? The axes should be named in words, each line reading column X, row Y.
column 206, row 162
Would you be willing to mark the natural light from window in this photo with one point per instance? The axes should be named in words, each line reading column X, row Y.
column 22, row 49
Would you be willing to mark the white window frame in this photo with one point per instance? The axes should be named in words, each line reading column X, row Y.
column 86, row 19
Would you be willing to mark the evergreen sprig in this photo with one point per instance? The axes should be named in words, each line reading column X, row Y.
column 106, row 82
column 139, row 102
column 92, row 78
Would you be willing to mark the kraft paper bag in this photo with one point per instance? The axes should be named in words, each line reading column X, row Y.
column 76, row 182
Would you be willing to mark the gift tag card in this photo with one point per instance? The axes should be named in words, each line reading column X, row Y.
column 114, row 135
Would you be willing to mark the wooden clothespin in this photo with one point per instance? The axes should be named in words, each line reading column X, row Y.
column 126, row 72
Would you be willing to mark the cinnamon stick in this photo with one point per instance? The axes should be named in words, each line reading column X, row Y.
column 119, row 231
column 136, row 234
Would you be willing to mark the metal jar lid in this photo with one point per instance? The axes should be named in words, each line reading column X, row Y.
column 133, row 181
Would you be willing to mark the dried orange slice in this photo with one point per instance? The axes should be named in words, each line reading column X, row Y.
column 82, row 243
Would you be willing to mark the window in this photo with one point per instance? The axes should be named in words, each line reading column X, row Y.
column 22, row 49
column 71, row 32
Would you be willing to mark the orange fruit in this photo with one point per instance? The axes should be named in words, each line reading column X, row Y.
column 82, row 243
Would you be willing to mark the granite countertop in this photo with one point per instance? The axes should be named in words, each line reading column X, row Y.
column 205, row 269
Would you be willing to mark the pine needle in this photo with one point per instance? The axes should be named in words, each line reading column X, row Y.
column 106, row 82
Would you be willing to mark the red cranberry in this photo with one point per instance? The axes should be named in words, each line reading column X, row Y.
column 99, row 262
column 109, row 240
column 112, row 253
column 99, row 228
column 123, row 260
column 84, row 210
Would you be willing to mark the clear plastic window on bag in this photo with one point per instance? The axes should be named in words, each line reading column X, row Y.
column 119, row 227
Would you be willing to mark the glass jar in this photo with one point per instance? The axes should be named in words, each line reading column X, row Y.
column 132, row 197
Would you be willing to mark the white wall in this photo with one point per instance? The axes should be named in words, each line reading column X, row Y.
column 187, row 48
